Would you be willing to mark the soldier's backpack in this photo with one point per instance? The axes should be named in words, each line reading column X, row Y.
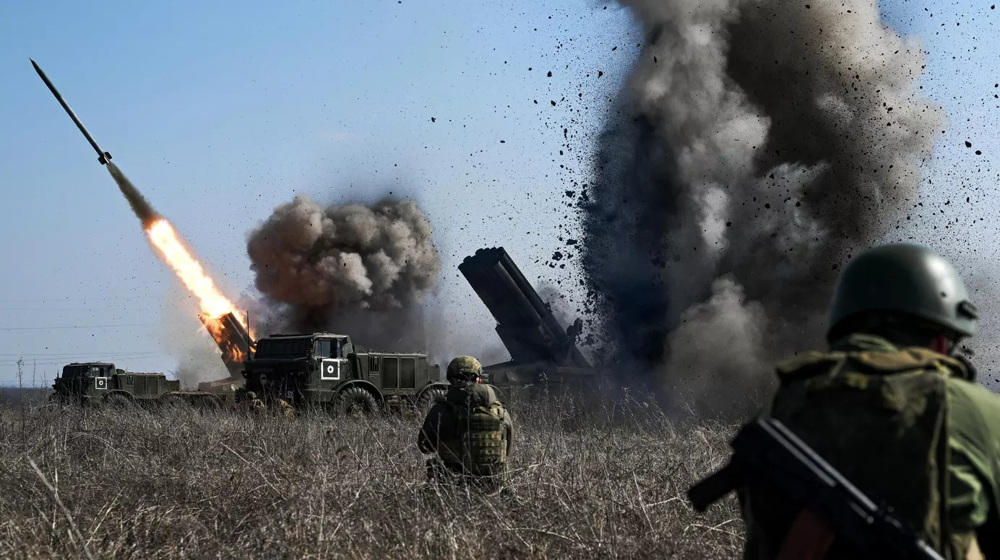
column 878, row 418
column 482, row 440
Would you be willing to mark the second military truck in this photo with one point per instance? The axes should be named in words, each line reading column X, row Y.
column 91, row 383
column 327, row 371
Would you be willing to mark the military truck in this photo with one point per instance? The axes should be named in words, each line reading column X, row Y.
column 328, row 371
column 93, row 383
column 544, row 354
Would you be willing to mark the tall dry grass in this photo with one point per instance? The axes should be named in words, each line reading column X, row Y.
column 588, row 481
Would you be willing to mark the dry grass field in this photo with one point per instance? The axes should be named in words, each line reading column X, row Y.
column 596, row 481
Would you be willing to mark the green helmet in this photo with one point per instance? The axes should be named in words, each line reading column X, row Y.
column 465, row 368
column 251, row 395
column 906, row 279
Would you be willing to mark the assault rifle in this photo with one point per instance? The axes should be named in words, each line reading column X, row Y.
column 766, row 450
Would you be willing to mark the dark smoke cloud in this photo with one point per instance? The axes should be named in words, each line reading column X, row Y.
column 758, row 145
column 363, row 270
column 142, row 208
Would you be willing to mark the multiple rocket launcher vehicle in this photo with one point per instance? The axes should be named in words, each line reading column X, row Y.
column 543, row 352
column 544, row 356
column 326, row 370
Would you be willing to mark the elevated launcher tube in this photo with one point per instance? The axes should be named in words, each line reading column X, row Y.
column 524, row 323
column 233, row 339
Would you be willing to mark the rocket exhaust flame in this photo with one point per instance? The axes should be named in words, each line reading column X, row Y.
column 215, row 307
column 218, row 313
column 232, row 337
column 189, row 271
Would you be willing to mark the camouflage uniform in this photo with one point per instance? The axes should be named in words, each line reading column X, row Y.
column 442, row 431
column 285, row 409
column 252, row 404
column 906, row 424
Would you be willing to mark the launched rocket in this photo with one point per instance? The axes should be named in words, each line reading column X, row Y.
column 102, row 156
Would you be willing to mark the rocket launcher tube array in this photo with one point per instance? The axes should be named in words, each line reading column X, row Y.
column 524, row 323
column 232, row 338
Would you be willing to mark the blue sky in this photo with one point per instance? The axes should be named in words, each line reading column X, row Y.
column 220, row 111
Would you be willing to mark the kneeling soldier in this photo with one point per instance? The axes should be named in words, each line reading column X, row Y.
column 469, row 432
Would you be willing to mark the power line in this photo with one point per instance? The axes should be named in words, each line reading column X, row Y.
column 61, row 327
column 82, row 356
column 68, row 299
column 94, row 307
column 91, row 353
column 63, row 362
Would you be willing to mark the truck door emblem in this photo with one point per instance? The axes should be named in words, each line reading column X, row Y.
column 330, row 370
column 101, row 383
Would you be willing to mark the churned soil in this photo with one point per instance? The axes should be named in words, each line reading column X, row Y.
column 588, row 481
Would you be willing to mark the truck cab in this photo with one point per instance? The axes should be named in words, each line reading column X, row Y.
column 81, row 382
column 327, row 370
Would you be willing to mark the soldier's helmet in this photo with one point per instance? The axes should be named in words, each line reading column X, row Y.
column 464, row 368
column 251, row 396
column 905, row 279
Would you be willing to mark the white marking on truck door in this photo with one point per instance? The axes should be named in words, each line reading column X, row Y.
column 330, row 369
column 101, row 383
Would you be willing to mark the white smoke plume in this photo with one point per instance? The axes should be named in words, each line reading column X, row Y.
column 358, row 269
column 759, row 144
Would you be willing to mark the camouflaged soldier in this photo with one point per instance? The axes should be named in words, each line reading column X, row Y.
column 469, row 432
column 252, row 404
column 285, row 409
column 891, row 408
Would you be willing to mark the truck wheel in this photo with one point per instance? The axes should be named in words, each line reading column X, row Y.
column 355, row 401
column 174, row 402
column 118, row 400
column 431, row 397
column 212, row 402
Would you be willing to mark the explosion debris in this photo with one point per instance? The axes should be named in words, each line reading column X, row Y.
column 757, row 145
column 354, row 268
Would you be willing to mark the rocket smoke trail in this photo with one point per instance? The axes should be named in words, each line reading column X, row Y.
column 759, row 144
column 142, row 208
